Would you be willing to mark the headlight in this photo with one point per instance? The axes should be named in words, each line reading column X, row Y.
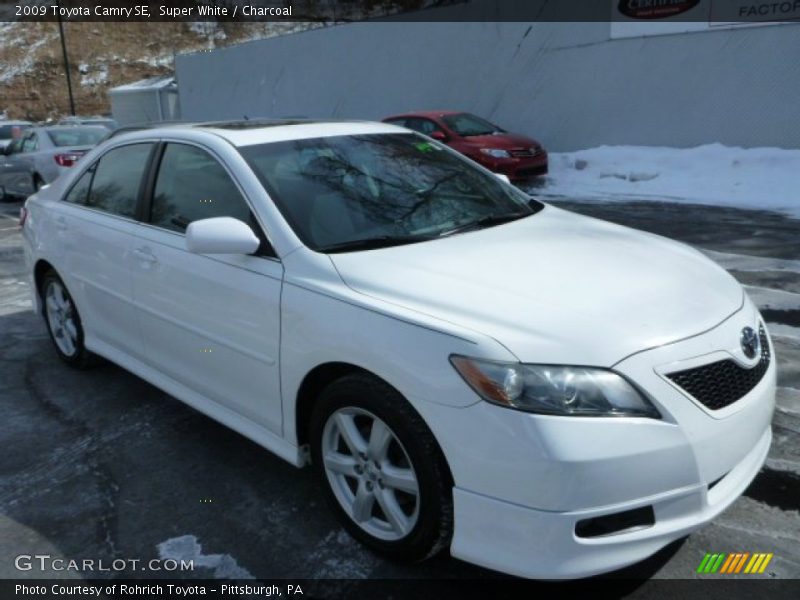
column 554, row 390
column 496, row 153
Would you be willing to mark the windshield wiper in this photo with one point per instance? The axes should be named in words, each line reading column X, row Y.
column 382, row 241
column 487, row 221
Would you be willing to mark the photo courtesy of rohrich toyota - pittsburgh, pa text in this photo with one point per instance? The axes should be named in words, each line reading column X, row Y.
column 399, row 299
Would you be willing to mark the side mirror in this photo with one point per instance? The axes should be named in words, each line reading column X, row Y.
column 503, row 177
column 221, row 235
column 439, row 135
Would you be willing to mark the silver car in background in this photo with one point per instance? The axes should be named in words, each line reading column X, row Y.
column 42, row 153
column 10, row 130
column 106, row 122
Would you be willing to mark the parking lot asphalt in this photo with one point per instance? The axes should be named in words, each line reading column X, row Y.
column 101, row 465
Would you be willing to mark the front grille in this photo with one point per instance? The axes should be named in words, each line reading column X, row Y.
column 525, row 152
column 722, row 383
column 531, row 172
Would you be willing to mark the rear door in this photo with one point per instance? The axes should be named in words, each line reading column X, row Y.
column 209, row 322
column 95, row 223
column 16, row 175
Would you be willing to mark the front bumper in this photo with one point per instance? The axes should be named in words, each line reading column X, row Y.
column 524, row 481
column 543, row 545
column 518, row 169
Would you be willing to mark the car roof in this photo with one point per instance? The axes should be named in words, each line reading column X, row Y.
column 425, row 113
column 14, row 123
column 69, row 128
column 247, row 132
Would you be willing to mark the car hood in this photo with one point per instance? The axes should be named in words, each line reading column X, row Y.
column 555, row 287
column 503, row 141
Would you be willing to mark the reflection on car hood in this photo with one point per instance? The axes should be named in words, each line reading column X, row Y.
column 555, row 287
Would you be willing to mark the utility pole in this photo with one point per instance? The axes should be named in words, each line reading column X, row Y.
column 66, row 65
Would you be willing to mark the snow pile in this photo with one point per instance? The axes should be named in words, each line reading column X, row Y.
column 767, row 178
column 93, row 76
column 9, row 71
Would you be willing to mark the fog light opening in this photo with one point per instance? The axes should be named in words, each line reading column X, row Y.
column 616, row 523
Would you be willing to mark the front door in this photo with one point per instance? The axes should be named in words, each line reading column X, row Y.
column 211, row 323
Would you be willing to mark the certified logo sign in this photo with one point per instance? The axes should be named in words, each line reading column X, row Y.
column 750, row 342
column 655, row 9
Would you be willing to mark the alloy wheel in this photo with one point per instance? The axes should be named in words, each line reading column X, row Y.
column 370, row 473
column 61, row 318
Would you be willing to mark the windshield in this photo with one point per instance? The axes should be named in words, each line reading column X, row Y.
column 8, row 132
column 77, row 136
column 465, row 124
column 338, row 192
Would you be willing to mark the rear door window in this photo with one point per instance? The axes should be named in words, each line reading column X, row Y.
column 30, row 143
column 79, row 193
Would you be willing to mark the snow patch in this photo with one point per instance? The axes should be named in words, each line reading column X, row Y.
column 785, row 332
column 760, row 178
column 753, row 264
column 768, row 298
column 9, row 72
column 93, row 76
column 187, row 548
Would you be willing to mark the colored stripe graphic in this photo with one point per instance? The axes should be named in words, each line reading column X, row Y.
column 718, row 563
column 766, row 562
column 734, row 562
column 741, row 562
column 726, row 566
column 703, row 563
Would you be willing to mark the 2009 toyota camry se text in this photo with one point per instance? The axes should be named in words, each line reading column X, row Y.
column 541, row 393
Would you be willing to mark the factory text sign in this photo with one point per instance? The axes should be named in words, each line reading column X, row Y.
column 639, row 18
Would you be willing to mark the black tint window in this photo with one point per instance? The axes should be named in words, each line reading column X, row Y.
column 425, row 126
column 80, row 191
column 192, row 185
column 30, row 143
column 117, row 177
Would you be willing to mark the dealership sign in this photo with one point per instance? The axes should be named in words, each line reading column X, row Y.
column 638, row 18
column 655, row 9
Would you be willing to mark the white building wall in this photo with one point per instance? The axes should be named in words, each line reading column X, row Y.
column 568, row 84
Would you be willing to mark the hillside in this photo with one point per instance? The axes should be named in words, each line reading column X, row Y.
column 102, row 55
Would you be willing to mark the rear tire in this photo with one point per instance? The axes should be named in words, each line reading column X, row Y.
column 64, row 323
column 385, row 476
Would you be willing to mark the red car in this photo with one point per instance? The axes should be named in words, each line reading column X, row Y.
column 514, row 155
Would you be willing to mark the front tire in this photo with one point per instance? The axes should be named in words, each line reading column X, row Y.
column 64, row 323
column 384, row 474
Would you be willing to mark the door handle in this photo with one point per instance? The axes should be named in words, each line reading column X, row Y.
column 145, row 255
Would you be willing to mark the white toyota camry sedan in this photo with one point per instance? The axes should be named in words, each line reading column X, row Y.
column 544, row 394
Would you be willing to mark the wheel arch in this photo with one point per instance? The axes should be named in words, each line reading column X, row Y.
column 312, row 385
column 318, row 378
column 39, row 270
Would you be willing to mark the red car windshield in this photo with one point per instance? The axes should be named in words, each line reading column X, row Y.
column 465, row 124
